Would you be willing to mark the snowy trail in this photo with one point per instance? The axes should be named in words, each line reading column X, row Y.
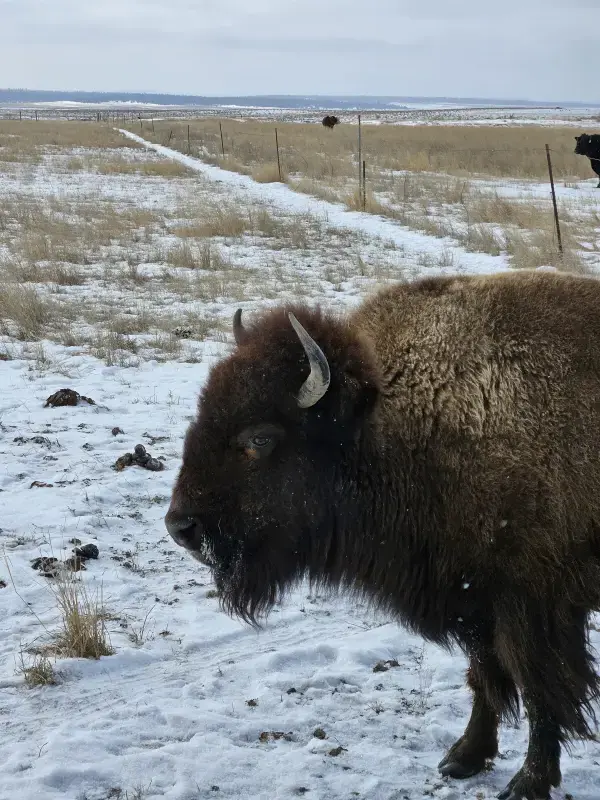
column 284, row 198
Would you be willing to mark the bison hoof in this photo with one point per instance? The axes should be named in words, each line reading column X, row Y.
column 456, row 769
column 463, row 760
column 526, row 786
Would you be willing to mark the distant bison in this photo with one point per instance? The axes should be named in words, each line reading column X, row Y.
column 330, row 121
column 590, row 146
column 439, row 452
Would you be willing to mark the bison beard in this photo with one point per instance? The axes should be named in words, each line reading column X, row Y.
column 439, row 453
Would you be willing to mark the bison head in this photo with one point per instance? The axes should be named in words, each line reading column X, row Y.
column 270, row 453
column 582, row 144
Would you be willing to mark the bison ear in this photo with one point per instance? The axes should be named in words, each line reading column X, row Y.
column 356, row 400
column 240, row 334
column 366, row 400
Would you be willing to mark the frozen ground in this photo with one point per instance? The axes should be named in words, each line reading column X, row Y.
column 167, row 716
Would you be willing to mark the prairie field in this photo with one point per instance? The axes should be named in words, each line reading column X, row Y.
column 485, row 187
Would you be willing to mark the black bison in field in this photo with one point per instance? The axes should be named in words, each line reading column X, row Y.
column 437, row 451
column 590, row 146
column 330, row 121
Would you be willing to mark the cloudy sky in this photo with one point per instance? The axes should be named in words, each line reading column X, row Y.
column 536, row 49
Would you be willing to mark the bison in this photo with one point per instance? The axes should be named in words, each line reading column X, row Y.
column 437, row 451
column 330, row 121
column 590, row 146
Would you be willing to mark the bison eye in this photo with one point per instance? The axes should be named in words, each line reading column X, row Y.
column 260, row 441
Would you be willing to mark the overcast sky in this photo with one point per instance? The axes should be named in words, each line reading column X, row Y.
column 536, row 49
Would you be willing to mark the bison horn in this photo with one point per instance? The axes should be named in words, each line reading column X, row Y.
column 317, row 383
column 240, row 334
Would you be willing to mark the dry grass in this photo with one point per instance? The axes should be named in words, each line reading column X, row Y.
column 69, row 232
column 229, row 222
column 52, row 245
column 227, row 162
column 26, row 141
column 316, row 189
column 540, row 249
column 228, row 286
column 206, row 256
column 83, row 631
column 39, row 672
column 267, row 173
column 422, row 176
column 115, row 349
column 25, row 313
column 310, row 152
column 146, row 272
column 234, row 221
column 56, row 273
column 160, row 168
column 167, row 344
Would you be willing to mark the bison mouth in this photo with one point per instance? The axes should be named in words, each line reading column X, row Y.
column 249, row 581
column 204, row 542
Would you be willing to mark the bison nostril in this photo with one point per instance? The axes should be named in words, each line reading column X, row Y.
column 182, row 529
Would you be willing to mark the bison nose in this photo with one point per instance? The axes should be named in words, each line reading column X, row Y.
column 183, row 528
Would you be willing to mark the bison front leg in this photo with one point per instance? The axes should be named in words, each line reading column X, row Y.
column 494, row 695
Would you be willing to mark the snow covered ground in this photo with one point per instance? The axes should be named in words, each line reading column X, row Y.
column 187, row 706
column 425, row 113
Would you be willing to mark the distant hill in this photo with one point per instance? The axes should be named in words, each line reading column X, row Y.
column 28, row 96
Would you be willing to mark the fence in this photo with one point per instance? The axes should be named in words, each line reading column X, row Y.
column 364, row 156
column 251, row 149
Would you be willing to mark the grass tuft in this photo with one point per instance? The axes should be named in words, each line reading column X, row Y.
column 83, row 631
column 39, row 672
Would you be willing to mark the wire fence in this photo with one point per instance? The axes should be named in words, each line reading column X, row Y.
column 232, row 144
column 221, row 137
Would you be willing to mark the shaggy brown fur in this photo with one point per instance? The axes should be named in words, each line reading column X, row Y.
column 330, row 121
column 451, row 472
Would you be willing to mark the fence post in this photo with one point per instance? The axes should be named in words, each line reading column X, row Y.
column 359, row 156
column 364, row 185
column 169, row 139
column 189, row 150
column 141, row 125
column 560, row 247
column 152, row 124
column 278, row 160
column 222, row 144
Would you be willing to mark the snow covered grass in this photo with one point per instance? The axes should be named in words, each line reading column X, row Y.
column 39, row 672
column 143, row 251
column 27, row 141
column 330, row 701
column 484, row 187
column 114, row 262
